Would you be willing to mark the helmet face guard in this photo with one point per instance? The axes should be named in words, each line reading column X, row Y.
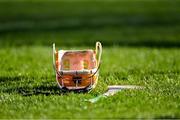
column 77, row 70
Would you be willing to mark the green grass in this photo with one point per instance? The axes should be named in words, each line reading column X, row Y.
column 141, row 46
column 28, row 87
column 132, row 23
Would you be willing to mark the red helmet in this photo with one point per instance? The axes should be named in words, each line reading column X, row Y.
column 77, row 70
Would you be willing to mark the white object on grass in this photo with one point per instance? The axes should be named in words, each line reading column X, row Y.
column 113, row 89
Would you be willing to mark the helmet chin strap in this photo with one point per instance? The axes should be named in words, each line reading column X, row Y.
column 112, row 90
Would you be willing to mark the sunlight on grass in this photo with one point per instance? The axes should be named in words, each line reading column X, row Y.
column 28, row 85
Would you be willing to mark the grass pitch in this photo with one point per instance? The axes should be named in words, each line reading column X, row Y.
column 140, row 47
column 28, row 87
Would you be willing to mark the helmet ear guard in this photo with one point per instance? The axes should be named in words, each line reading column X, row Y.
column 77, row 70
